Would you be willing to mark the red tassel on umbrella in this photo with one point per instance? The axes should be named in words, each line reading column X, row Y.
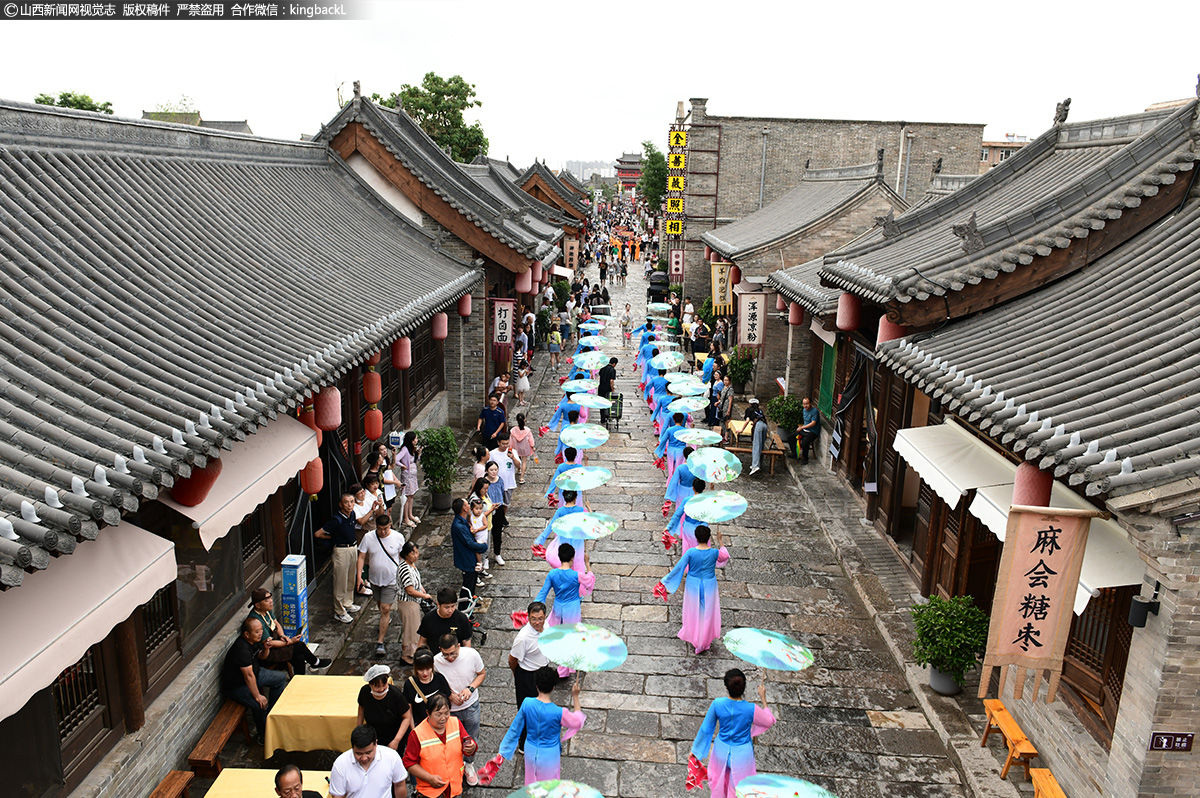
column 666, row 508
column 542, row 430
column 669, row 541
column 661, row 463
column 538, row 550
column 519, row 618
column 562, row 379
column 552, row 501
column 559, row 459
column 660, row 590
column 657, row 428
column 697, row 774
column 489, row 771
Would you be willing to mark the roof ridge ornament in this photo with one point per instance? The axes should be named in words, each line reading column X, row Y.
column 879, row 163
column 888, row 222
column 972, row 241
column 937, row 168
column 1062, row 109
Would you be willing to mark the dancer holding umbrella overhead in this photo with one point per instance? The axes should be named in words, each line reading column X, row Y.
column 546, row 725
column 701, row 600
column 736, row 722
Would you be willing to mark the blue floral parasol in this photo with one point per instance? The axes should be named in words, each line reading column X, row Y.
column 591, row 326
column 583, row 647
column 602, row 317
column 589, row 526
column 687, row 388
column 767, row 649
column 667, row 360
column 583, row 436
column 715, row 506
column 595, row 340
column 556, row 788
column 591, row 400
column 582, row 478
column 581, row 386
column 714, row 465
column 697, row 437
column 688, row 404
column 768, row 785
column 590, row 360
column 682, row 376
column 658, row 307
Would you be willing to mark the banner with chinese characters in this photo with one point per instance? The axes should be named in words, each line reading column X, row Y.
column 502, row 327
column 752, row 317
column 1035, row 593
column 673, row 227
column 676, row 268
column 677, row 138
column 722, row 289
column 571, row 250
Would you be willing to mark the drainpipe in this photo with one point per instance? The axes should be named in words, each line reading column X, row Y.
column 900, row 154
column 762, row 178
column 907, row 163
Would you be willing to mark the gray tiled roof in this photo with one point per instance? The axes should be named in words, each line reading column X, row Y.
column 551, row 180
column 1096, row 376
column 821, row 194
column 572, row 181
column 541, row 220
column 802, row 284
column 1062, row 186
column 413, row 148
column 167, row 290
column 230, row 126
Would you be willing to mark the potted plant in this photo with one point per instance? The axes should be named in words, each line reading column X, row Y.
column 740, row 367
column 951, row 635
column 439, row 457
column 788, row 413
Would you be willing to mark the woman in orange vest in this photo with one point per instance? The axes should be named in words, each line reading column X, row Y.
column 435, row 750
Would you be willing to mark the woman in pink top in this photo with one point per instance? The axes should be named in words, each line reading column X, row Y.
column 521, row 439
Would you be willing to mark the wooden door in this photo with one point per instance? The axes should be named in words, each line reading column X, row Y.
column 983, row 564
column 929, row 506
column 895, row 404
column 950, row 547
column 1098, row 650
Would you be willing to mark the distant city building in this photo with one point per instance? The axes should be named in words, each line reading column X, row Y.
column 995, row 152
column 585, row 169
column 629, row 169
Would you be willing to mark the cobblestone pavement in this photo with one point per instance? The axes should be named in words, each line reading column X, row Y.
column 850, row 723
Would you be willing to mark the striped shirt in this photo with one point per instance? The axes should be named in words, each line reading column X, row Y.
column 408, row 576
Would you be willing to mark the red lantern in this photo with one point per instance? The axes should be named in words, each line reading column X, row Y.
column 373, row 359
column 312, row 477
column 402, row 353
column 308, row 417
column 889, row 331
column 373, row 424
column 735, row 275
column 525, row 282
column 372, row 387
column 441, row 326
column 190, row 491
column 328, row 404
column 848, row 311
column 464, row 305
column 708, row 252
column 1032, row 486
column 780, row 302
column 795, row 314
column 537, row 271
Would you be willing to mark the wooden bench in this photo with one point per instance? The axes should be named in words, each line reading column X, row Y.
column 176, row 784
column 1020, row 750
column 772, row 451
column 1044, row 784
column 205, row 758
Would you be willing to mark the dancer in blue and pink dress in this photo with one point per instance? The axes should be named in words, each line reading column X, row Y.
column 681, row 524
column 679, row 486
column 736, row 723
column 670, row 446
column 701, row 600
column 572, row 458
column 546, row 726
column 568, row 585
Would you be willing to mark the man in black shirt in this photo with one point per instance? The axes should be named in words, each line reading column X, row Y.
column 340, row 530
column 608, row 375
column 242, row 678
column 446, row 619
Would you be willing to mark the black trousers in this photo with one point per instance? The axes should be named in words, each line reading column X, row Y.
column 470, row 580
column 499, row 521
column 807, row 439
column 525, row 688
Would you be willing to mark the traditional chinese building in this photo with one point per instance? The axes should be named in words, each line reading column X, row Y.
column 1029, row 335
column 182, row 307
column 829, row 208
column 392, row 153
column 629, row 170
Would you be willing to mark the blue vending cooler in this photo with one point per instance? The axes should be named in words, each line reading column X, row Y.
column 294, row 601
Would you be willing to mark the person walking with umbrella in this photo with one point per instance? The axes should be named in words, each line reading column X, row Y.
column 701, row 600
column 736, row 722
column 545, row 725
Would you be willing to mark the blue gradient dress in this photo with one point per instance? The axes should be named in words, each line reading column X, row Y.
column 736, row 723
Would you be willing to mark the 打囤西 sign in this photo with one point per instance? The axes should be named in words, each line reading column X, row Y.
column 752, row 316
column 502, row 321
column 1035, row 594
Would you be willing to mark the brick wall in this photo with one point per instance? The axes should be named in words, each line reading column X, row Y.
column 773, row 362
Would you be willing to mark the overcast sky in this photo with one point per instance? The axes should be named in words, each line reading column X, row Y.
column 567, row 80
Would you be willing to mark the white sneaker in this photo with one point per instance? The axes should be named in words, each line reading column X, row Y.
column 499, row 560
column 472, row 776
column 754, row 470
column 366, row 591
column 344, row 618
column 354, row 608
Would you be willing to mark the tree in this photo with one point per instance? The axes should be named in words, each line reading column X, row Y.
column 185, row 105
column 437, row 105
column 71, row 99
column 653, row 183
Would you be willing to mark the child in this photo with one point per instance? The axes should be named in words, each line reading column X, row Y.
column 522, row 442
column 481, row 460
column 479, row 528
column 554, row 340
column 522, row 385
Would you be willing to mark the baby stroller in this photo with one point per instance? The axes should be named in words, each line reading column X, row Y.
column 468, row 603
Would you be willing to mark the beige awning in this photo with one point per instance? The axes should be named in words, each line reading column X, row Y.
column 59, row 613
column 253, row 470
column 561, row 271
column 951, row 460
column 1110, row 560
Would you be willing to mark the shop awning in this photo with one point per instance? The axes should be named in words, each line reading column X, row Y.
column 253, row 470
column 59, row 613
column 561, row 271
column 1110, row 560
column 951, row 460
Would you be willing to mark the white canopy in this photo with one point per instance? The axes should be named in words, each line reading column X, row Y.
column 951, row 460
column 253, row 470
column 68, row 608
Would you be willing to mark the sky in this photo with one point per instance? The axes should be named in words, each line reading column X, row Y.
column 566, row 80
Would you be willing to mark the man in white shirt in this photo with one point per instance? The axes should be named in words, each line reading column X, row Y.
column 525, row 657
column 367, row 770
column 530, row 322
column 508, row 462
column 380, row 550
column 464, row 672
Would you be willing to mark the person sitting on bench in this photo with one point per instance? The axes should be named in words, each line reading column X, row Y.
column 244, row 679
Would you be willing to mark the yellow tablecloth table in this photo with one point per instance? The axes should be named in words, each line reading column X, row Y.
column 736, row 428
column 260, row 783
column 315, row 713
